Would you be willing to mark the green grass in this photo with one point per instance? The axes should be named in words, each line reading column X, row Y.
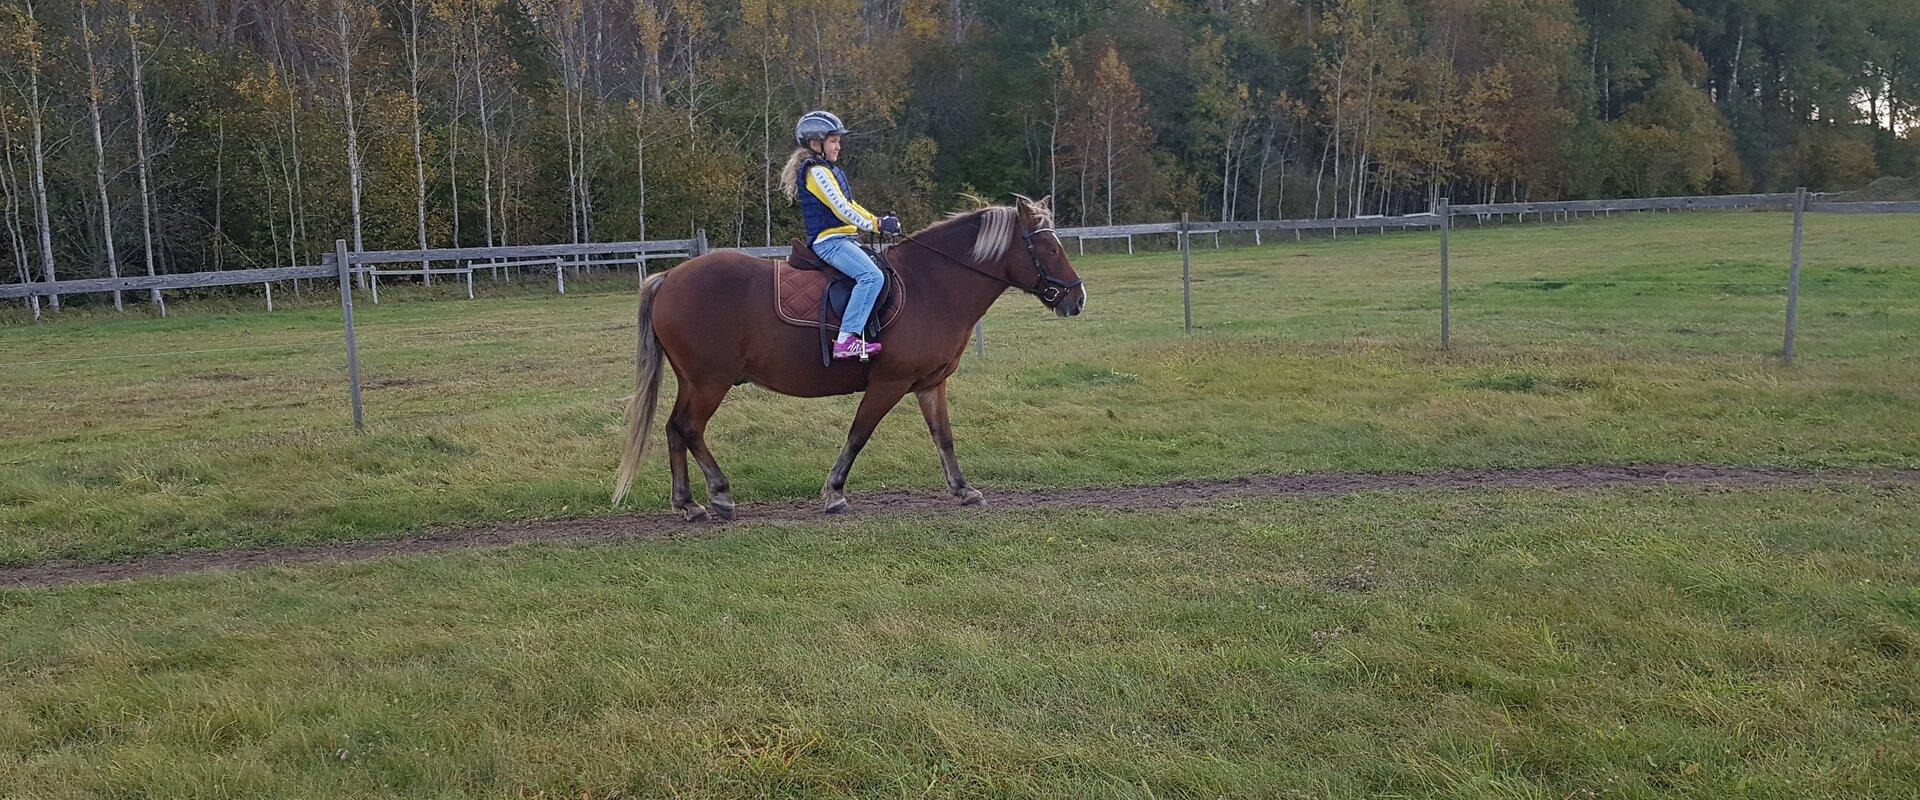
column 1623, row 643
column 1650, row 338
column 1522, row 644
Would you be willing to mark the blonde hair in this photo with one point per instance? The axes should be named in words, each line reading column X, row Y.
column 790, row 174
column 997, row 225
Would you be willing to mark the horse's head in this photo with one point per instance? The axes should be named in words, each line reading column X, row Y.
column 1014, row 245
column 1045, row 270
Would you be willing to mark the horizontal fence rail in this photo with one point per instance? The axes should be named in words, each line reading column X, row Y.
column 347, row 267
column 522, row 252
column 1878, row 207
column 1729, row 201
column 182, row 280
column 556, row 254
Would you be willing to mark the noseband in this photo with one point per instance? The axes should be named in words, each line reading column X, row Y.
column 1049, row 289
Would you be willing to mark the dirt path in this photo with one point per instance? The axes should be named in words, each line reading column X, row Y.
column 654, row 524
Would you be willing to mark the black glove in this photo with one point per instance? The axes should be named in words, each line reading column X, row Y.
column 890, row 225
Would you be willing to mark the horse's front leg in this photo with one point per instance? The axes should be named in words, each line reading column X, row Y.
column 933, row 406
column 873, row 408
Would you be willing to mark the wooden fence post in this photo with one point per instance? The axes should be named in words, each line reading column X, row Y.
column 345, row 273
column 980, row 338
column 269, row 287
column 560, row 273
column 1445, row 213
column 1793, row 272
column 1186, row 272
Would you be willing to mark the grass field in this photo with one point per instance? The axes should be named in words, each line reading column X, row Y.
column 1621, row 643
column 1624, row 642
column 1649, row 338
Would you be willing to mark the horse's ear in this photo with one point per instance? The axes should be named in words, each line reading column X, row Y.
column 1044, row 203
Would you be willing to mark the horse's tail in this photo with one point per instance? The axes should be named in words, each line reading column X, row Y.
column 646, row 389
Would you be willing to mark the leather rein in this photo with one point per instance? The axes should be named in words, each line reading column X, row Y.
column 1048, row 288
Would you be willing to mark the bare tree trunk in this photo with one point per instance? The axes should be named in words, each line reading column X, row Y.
column 586, row 173
column 1280, row 183
column 1356, row 198
column 297, row 192
column 1319, row 177
column 453, row 131
column 1053, row 153
column 219, row 196
column 1339, row 106
column 693, row 85
column 28, row 84
column 573, row 167
column 286, row 176
column 486, row 127
column 99, row 155
column 1226, row 171
column 1109, row 136
column 1083, row 188
column 273, row 230
column 506, row 176
column 140, row 146
column 16, row 235
column 564, row 44
column 640, row 165
column 36, row 115
column 1260, row 177
column 347, row 46
column 766, row 139
column 419, row 159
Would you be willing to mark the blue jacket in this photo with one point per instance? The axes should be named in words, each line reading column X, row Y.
column 827, row 206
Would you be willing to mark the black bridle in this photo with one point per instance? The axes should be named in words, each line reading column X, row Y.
column 1049, row 289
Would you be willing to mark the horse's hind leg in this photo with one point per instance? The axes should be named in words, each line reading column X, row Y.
column 702, row 402
column 677, row 457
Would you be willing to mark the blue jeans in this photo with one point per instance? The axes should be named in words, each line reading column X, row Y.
column 844, row 253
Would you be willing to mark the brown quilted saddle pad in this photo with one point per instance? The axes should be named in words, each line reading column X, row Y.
column 797, row 294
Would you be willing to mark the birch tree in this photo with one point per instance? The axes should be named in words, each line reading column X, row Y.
column 94, row 96
column 413, row 111
column 27, row 51
column 10, row 206
column 135, row 59
column 349, row 28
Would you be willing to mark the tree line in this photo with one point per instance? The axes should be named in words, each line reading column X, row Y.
column 144, row 136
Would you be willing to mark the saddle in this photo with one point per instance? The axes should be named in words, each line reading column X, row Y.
column 810, row 293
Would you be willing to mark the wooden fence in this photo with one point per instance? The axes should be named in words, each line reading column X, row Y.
column 366, row 268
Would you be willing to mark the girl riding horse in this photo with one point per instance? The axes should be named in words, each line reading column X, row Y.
column 834, row 223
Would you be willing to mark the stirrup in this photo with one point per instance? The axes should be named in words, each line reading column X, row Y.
column 854, row 347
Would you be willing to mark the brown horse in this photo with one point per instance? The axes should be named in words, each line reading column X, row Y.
column 713, row 320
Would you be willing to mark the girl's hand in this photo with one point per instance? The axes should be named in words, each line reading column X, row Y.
column 890, row 225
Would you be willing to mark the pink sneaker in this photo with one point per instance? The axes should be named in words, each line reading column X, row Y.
column 854, row 347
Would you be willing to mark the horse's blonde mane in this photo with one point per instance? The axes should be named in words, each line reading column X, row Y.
column 997, row 226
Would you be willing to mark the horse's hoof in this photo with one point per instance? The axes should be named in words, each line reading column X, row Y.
column 694, row 513
column 973, row 497
column 723, row 509
column 836, row 505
